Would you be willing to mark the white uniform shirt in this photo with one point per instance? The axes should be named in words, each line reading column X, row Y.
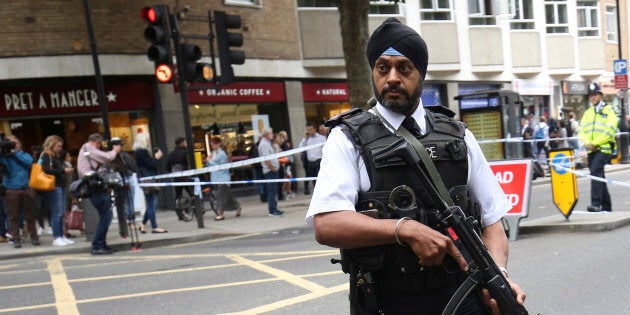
column 313, row 154
column 343, row 174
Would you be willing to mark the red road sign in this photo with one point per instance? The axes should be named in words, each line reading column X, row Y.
column 515, row 177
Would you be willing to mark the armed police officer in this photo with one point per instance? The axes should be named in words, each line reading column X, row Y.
column 397, row 265
column 597, row 131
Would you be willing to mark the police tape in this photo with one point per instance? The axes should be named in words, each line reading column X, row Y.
column 249, row 181
column 586, row 175
column 209, row 169
column 197, row 183
column 520, row 139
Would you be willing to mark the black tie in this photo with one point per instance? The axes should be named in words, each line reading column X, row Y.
column 410, row 124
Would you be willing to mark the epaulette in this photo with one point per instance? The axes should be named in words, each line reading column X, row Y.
column 441, row 109
column 338, row 118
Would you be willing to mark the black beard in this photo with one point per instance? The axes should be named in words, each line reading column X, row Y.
column 406, row 107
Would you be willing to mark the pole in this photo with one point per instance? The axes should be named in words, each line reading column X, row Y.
column 97, row 70
column 183, row 94
column 623, row 124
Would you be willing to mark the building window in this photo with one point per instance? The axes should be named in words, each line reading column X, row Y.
column 523, row 14
column 247, row 3
column 376, row 6
column 384, row 7
column 317, row 3
column 611, row 24
column 556, row 16
column 436, row 10
column 481, row 12
column 588, row 18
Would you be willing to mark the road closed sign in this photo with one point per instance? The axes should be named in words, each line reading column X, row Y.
column 515, row 178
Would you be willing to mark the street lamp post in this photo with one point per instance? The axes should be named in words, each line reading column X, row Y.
column 623, row 124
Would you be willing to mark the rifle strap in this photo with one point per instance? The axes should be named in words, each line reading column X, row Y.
column 430, row 170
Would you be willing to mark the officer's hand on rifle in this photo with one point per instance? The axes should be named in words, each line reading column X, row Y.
column 429, row 245
column 492, row 304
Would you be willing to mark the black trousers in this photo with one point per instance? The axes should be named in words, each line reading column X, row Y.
column 312, row 169
column 599, row 190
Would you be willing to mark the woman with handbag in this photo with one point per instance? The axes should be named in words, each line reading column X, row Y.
column 148, row 166
column 225, row 199
column 53, row 164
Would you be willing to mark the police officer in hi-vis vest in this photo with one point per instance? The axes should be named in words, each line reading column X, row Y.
column 356, row 204
column 597, row 130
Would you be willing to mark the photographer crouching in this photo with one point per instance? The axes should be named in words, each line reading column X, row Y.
column 19, row 197
column 92, row 160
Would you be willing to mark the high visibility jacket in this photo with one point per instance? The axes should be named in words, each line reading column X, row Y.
column 599, row 128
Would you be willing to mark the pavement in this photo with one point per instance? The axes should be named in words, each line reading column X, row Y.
column 254, row 220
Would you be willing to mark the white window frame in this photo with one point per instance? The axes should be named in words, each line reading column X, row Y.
column 611, row 24
column 517, row 9
column 556, row 25
column 435, row 9
column 376, row 3
column 244, row 3
column 480, row 16
column 590, row 10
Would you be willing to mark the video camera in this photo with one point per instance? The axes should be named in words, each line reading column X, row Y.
column 114, row 141
column 6, row 145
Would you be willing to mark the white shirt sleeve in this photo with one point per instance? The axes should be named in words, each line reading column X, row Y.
column 340, row 177
column 483, row 185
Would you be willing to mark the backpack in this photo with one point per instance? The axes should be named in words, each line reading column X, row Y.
column 569, row 128
column 540, row 133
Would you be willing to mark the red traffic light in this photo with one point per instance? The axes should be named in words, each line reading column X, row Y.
column 151, row 14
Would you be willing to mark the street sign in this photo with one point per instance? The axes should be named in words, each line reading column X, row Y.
column 515, row 178
column 621, row 81
column 563, row 182
column 620, row 66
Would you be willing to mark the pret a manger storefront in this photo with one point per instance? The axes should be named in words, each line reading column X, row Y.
column 69, row 108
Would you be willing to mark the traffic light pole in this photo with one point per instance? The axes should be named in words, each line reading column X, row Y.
column 183, row 94
column 623, row 124
column 97, row 71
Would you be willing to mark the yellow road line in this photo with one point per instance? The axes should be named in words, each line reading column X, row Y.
column 179, row 290
column 295, row 300
column 26, row 308
column 65, row 301
column 286, row 276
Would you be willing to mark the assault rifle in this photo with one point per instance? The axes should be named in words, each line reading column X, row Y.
column 482, row 269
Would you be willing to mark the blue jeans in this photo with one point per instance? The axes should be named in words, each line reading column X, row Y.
column 272, row 191
column 102, row 202
column 56, row 201
column 149, row 213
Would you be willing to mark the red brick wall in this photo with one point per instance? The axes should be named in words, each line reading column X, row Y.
column 58, row 27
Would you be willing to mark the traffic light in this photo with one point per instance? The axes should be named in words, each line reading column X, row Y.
column 190, row 55
column 225, row 40
column 159, row 35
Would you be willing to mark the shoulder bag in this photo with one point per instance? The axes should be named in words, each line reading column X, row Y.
column 40, row 180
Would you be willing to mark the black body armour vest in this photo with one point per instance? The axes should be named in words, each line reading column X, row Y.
column 444, row 142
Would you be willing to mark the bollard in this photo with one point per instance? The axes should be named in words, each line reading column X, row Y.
column 198, row 211
column 90, row 217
